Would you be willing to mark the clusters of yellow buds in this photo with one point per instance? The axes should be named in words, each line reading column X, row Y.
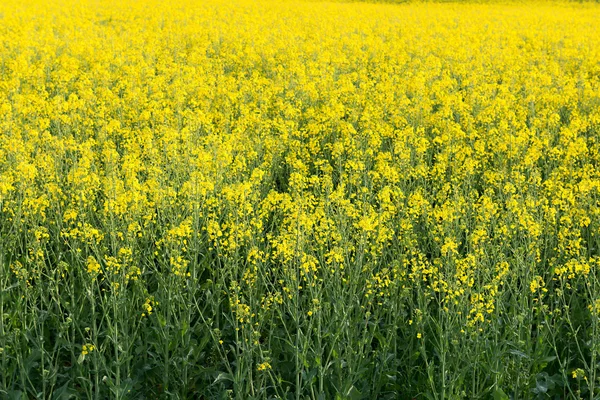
column 87, row 349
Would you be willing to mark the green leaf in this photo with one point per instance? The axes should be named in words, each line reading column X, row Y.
column 543, row 382
column 354, row 394
column 223, row 376
column 15, row 395
column 65, row 393
column 500, row 395
column 519, row 354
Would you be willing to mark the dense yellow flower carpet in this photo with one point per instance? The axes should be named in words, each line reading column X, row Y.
column 299, row 200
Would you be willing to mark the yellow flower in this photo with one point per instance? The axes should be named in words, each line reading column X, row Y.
column 93, row 267
column 579, row 374
column 264, row 366
column 147, row 306
column 87, row 348
column 536, row 283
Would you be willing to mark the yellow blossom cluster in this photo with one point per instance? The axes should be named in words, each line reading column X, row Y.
column 303, row 162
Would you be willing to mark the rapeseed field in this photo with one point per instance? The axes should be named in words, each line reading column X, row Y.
column 252, row 199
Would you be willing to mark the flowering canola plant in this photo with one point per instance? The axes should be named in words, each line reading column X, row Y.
column 285, row 199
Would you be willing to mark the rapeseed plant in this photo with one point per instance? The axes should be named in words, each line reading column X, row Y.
column 293, row 199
